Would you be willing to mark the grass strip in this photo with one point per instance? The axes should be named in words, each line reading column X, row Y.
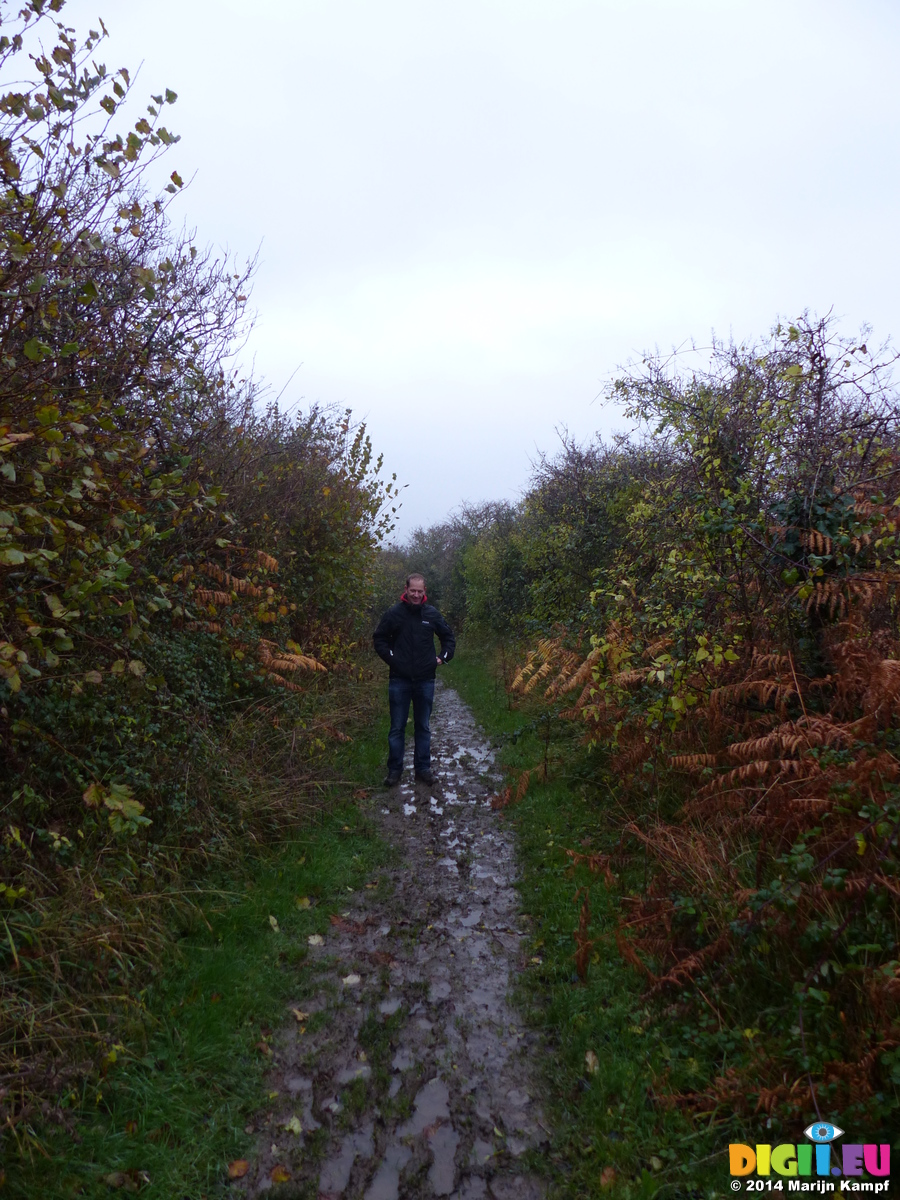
column 609, row 1137
column 189, row 1076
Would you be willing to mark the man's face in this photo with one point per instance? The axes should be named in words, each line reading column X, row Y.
column 415, row 591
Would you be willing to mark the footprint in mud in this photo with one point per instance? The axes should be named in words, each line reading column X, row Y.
column 419, row 1082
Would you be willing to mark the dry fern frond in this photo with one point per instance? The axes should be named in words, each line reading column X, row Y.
column 523, row 673
column 541, row 673
column 818, row 543
column 631, row 957
column 630, row 757
column 658, row 647
column 244, row 587
column 630, row 678
column 584, row 674
column 763, row 691
column 282, row 682
column 596, row 863
column 693, row 762
column 770, row 662
column 835, row 594
column 761, row 769
column 207, row 597
column 793, row 737
column 688, row 967
column 272, row 656
column 559, row 684
column 884, row 687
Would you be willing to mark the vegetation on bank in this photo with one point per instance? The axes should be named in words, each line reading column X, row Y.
column 698, row 625
column 184, row 1092
column 176, row 652
column 602, row 1049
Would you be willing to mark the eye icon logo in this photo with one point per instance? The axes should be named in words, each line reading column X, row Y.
column 821, row 1132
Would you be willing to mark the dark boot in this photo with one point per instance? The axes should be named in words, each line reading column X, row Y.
column 391, row 780
column 424, row 777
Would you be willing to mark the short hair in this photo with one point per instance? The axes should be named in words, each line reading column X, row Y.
column 415, row 575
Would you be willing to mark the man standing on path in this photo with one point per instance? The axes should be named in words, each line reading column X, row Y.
column 405, row 640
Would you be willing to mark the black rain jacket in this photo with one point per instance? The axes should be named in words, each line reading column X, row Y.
column 405, row 640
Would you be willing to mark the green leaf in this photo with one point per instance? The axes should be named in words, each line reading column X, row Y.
column 36, row 350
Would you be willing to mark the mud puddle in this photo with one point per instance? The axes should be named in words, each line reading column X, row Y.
column 406, row 1073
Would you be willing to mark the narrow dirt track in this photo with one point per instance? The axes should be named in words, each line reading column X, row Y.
column 446, row 1106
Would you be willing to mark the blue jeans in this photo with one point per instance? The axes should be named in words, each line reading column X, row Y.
column 400, row 693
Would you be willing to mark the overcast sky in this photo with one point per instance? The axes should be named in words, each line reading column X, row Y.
column 469, row 214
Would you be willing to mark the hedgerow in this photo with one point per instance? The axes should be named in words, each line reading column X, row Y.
column 175, row 563
column 713, row 603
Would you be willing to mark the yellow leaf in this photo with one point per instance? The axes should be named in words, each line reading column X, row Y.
column 93, row 796
column 316, row 939
column 274, row 923
column 591, row 1062
column 279, row 1174
column 303, row 901
column 238, row 1169
column 300, row 1016
column 294, row 1126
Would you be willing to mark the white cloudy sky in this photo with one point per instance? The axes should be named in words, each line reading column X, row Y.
column 470, row 213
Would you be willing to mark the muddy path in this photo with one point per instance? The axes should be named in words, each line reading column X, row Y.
column 404, row 1071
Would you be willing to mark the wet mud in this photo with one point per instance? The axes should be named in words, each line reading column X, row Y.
column 404, row 1071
